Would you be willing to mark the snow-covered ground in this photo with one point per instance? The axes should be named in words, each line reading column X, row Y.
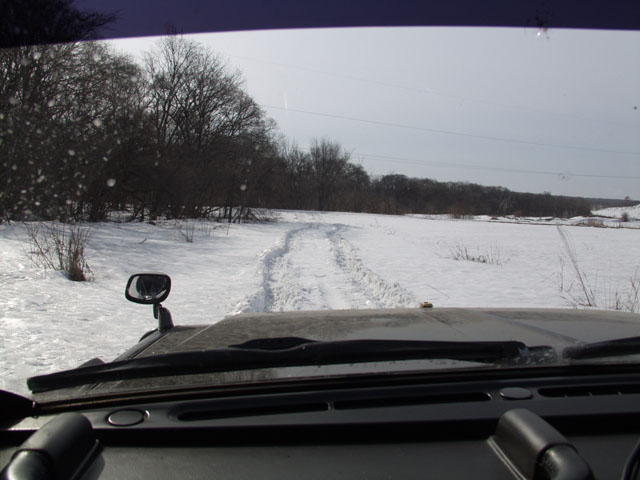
column 306, row 260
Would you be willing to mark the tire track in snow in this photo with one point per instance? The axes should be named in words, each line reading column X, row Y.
column 315, row 268
column 386, row 295
column 259, row 301
column 308, row 277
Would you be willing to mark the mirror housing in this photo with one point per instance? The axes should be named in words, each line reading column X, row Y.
column 151, row 289
column 148, row 288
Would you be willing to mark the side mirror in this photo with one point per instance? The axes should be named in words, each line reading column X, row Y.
column 151, row 289
column 148, row 288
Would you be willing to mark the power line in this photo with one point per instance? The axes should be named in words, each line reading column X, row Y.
column 423, row 91
column 488, row 168
column 411, row 161
column 354, row 78
column 452, row 132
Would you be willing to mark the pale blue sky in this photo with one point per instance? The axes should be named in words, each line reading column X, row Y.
column 532, row 111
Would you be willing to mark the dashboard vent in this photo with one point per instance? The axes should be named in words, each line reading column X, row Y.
column 589, row 390
column 401, row 401
column 250, row 411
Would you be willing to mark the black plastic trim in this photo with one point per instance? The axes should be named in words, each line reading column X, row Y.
column 62, row 448
column 537, row 450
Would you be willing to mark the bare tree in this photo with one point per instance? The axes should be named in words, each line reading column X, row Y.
column 328, row 163
column 65, row 110
column 202, row 118
column 297, row 189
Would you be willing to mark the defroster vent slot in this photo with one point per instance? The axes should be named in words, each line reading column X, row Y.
column 589, row 390
column 403, row 401
column 250, row 411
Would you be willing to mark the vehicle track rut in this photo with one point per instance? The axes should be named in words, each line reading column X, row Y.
column 315, row 268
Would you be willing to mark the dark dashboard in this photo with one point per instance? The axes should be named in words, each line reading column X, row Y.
column 540, row 424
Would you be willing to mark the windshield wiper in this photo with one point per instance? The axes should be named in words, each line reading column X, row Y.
column 287, row 352
column 610, row 348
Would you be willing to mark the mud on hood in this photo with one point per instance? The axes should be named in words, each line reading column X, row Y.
column 556, row 327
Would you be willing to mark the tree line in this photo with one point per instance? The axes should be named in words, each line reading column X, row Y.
column 85, row 131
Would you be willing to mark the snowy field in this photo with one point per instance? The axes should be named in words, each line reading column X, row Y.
column 305, row 260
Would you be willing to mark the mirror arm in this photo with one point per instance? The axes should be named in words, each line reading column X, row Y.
column 165, row 322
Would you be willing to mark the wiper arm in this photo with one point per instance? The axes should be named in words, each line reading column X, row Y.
column 610, row 348
column 287, row 352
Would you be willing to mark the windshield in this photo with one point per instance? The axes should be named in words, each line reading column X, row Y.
column 321, row 169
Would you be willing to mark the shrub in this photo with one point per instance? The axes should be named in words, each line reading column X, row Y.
column 491, row 256
column 187, row 231
column 256, row 215
column 206, row 229
column 627, row 299
column 588, row 294
column 624, row 217
column 60, row 247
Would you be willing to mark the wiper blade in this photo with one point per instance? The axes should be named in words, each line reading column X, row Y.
column 610, row 348
column 287, row 352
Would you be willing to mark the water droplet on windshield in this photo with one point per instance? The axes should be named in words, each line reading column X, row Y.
column 71, row 152
column 97, row 123
column 51, row 103
column 243, row 187
column 111, row 182
column 13, row 100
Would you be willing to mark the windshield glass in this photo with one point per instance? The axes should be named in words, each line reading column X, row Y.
column 322, row 169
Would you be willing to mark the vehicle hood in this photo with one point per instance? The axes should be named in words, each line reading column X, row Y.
column 555, row 327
